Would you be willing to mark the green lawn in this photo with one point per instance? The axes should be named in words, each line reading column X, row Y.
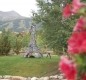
column 20, row 66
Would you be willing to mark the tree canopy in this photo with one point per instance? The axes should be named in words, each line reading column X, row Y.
column 55, row 31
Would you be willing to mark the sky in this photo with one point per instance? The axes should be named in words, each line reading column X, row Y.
column 23, row 7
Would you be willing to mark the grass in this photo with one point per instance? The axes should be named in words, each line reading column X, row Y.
column 20, row 66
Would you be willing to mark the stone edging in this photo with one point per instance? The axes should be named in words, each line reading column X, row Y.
column 55, row 77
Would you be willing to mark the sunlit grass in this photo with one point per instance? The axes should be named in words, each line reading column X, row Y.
column 20, row 66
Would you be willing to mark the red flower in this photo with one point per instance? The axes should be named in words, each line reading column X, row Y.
column 80, row 25
column 83, row 47
column 73, row 44
column 67, row 11
column 68, row 68
column 77, row 43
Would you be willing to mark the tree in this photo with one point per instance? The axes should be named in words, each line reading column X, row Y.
column 19, row 41
column 17, row 46
column 5, row 46
column 55, row 31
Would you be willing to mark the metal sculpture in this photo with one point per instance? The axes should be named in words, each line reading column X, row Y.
column 32, row 47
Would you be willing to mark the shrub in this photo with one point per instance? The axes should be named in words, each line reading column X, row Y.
column 5, row 46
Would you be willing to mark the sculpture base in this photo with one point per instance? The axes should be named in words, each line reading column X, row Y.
column 35, row 55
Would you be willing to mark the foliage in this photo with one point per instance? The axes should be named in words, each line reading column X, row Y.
column 5, row 46
column 55, row 32
column 17, row 46
column 19, row 41
column 13, row 41
column 25, row 39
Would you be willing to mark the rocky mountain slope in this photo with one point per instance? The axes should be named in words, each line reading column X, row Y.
column 14, row 21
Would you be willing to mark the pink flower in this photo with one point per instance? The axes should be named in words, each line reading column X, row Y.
column 67, row 11
column 76, row 4
column 74, row 43
column 73, row 8
column 83, row 47
column 80, row 25
column 68, row 68
column 77, row 43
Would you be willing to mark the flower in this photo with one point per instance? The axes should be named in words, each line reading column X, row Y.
column 68, row 68
column 83, row 47
column 77, row 43
column 76, row 4
column 80, row 25
column 73, row 8
column 67, row 11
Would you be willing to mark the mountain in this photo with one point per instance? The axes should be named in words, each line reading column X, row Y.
column 14, row 21
column 10, row 15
